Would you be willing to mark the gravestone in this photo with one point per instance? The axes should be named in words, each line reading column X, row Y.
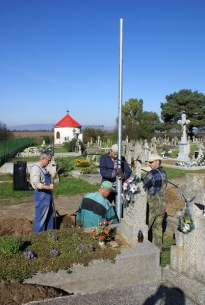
column 184, row 144
column 133, row 220
column 134, row 217
column 187, row 267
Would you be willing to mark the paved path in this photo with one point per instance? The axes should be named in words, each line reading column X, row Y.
column 144, row 294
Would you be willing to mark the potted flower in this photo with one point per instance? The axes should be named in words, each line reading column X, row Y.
column 102, row 232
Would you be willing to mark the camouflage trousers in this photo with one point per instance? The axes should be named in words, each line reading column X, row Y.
column 156, row 213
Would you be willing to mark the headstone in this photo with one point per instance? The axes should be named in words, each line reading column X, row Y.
column 184, row 144
column 200, row 147
column 98, row 141
column 187, row 266
column 145, row 153
column 134, row 217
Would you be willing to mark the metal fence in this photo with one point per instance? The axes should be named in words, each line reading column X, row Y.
column 10, row 148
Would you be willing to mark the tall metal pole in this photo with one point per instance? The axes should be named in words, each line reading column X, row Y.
column 119, row 181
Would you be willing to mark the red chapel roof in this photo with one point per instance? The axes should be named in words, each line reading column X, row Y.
column 67, row 121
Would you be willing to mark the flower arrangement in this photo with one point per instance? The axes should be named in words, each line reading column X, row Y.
column 201, row 159
column 102, row 232
column 186, row 224
column 130, row 188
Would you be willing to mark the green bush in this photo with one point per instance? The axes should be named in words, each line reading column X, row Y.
column 10, row 244
column 72, row 145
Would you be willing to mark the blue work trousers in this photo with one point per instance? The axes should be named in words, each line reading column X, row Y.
column 44, row 217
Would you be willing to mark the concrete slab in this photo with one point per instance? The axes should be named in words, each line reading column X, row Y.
column 133, row 266
column 8, row 167
column 91, row 178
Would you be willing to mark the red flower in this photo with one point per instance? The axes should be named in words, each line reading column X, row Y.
column 101, row 237
column 94, row 234
column 107, row 231
column 105, row 222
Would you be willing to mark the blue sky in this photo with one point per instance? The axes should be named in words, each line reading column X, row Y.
column 59, row 55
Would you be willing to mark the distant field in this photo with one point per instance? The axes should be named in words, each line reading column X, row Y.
column 32, row 134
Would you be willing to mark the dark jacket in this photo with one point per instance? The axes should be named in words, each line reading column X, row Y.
column 107, row 167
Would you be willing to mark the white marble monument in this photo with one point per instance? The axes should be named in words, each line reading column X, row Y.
column 184, row 144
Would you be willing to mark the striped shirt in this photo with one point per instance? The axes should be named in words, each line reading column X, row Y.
column 93, row 209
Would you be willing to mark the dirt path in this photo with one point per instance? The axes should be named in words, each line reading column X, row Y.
column 63, row 204
column 67, row 205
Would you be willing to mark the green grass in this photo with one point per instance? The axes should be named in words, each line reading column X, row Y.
column 173, row 173
column 178, row 173
column 193, row 148
column 174, row 153
column 60, row 150
column 6, row 177
column 72, row 186
column 68, row 186
column 168, row 241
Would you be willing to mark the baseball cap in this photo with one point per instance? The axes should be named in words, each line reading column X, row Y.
column 107, row 185
column 114, row 148
column 154, row 157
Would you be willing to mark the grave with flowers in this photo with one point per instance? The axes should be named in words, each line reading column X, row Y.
column 134, row 200
column 138, row 258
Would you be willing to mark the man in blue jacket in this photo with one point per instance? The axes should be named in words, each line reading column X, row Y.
column 94, row 208
column 109, row 170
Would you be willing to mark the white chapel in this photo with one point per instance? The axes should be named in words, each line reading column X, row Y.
column 66, row 130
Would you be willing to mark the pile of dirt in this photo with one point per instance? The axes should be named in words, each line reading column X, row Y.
column 21, row 226
column 174, row 203
column 16, row 293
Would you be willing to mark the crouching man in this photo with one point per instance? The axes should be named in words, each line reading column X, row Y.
column 95, row 207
